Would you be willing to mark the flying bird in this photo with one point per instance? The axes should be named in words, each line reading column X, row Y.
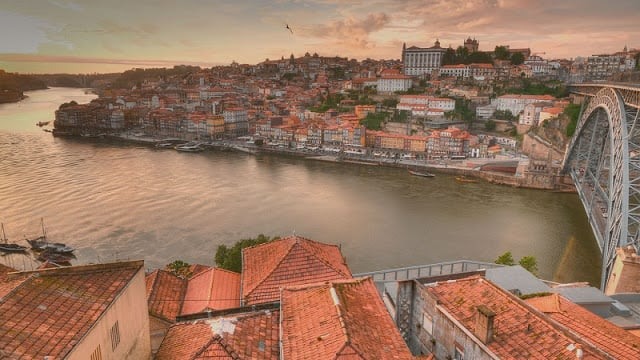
column 288, row 28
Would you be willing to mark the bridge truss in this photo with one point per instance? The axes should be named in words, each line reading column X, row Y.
column 603, row 159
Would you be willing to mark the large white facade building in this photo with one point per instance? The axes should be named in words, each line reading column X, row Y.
column 391, row 81
column 516, row 103
column 419, row 61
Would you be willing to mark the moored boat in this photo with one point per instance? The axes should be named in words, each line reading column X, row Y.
column 6, row 246
column 423, row 174
column 190, row 147
column 41, row 243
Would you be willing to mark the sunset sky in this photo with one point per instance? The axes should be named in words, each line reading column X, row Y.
column 83, row 36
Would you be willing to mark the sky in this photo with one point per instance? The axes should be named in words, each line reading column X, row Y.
column 87, row 36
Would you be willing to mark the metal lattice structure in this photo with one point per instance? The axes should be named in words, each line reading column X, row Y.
column 603, row 159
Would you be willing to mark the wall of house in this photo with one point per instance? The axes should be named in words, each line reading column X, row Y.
column 132, row 314
column 158, row 329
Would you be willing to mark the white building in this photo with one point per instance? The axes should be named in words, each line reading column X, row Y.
column 531, row 113
column 391, row 81
column 538, row 65
column 516, row 103
column 420, row 61
column 423, row 105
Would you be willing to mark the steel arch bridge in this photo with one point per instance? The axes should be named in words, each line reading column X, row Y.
column 603, row 160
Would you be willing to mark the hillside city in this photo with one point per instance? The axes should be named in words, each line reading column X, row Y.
column 504, row 115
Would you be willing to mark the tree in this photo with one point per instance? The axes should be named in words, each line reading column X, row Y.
column 231, row 258
column 490, row 125
column 505, row 259
column 501, row 53
column 179, row 268
column 529, row 263
column 390, row 103
column 373, row 121
column 517, row 58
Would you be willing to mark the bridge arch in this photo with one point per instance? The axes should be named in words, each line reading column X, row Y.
column 603, row 159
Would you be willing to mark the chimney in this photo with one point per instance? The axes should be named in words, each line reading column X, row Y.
column 484, row 324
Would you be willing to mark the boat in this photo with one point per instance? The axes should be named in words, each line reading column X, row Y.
column 42, row 123
column 6, row 246
column 51, row 256
column 190, row 147
column 41, row 243
column 423, row 174
column 465, row 179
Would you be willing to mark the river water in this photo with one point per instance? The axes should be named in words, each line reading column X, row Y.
column 122, row 201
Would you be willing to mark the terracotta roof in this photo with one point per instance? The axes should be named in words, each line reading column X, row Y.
column 7, row 282
column 169, row 296
column 520, row 332
column 215, row 289
column 343, row 319
column 165, row 292
column 615, row 341
column 240, row 336
column 289, row 261
column 51, row 310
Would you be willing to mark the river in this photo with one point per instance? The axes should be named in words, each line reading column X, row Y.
column 123, row 201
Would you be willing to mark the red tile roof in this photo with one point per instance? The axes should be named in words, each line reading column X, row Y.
column 165, row 293
column 345, row 319
column 240, row 336
column 51, row 310
column 214, row 289
column 520, row 332
column 289, row 261
column 615, row 341
column 8, row 282
column 169, row 296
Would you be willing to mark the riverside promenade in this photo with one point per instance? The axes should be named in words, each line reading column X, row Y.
column 472, row 167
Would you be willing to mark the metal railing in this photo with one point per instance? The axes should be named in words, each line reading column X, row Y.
column 420, row 271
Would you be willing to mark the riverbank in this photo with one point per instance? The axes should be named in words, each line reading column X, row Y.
column 471, row 168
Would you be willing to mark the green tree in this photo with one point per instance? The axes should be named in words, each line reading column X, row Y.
column 530, row 263
column 231, row 258
column 490, row 125
column 373, row 121
column 501, row 53
column 517, row 58
column 505, row 259
column 572, row 111
column 449, row 57
column 179, row 268
column 390, row 102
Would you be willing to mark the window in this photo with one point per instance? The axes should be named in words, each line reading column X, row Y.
column 96, row 354
column 115, row 336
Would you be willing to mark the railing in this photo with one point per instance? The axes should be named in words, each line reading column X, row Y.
column 420, row 271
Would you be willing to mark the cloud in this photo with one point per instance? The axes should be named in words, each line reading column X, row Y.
column 349, row 31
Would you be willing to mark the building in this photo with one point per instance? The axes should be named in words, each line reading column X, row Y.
column 448, row 142
column 327, row 320
column 235, row 122
column 531, row 113
column 78, row 312
column 471, row 45
column 468, row 316
column 422, row 61
column 539, row 66
column 391, row 81
column 336, row 320
column 516, row 103
column 422, row 105
column 289, row 261
column 239, row 334
column 170, row 296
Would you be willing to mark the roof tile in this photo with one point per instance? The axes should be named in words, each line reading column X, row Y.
column 344, row 319
column 289, row 261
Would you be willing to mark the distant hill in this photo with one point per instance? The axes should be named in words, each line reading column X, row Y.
column 12, row 86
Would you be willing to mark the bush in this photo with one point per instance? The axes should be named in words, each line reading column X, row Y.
column 231, row 258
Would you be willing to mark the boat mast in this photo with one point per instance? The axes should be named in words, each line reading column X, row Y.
column 4, row 236
column 44, row 232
